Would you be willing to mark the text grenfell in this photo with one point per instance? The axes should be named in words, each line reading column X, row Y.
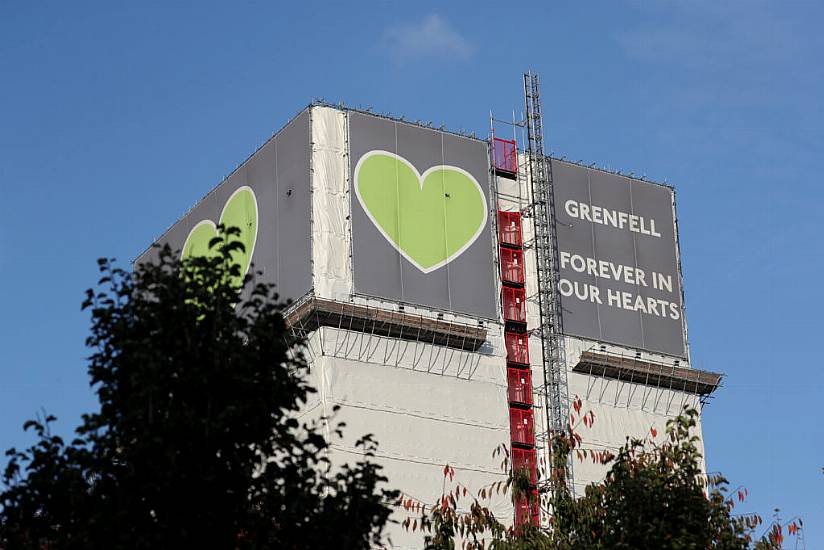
column 615, row 218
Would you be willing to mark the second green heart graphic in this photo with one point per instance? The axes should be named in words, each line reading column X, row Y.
column 430, row 218
column 239, row 211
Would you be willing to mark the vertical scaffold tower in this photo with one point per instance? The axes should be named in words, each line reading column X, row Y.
column 555, row 393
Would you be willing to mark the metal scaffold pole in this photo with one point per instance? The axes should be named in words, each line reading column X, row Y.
column 555, row 393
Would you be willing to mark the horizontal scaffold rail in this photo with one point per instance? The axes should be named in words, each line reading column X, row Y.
column 637, row 371
column 313, row 313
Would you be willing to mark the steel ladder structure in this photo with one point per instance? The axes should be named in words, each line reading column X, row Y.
column 542, row 210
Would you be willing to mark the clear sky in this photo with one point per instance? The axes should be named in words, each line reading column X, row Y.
column 116, row 117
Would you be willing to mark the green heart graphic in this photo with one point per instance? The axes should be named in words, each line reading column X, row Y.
column 239, row 211
column 430, row 218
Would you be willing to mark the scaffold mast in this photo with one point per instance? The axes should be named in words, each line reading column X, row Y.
column 555, row 393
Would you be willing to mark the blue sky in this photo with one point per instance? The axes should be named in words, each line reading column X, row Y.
column 116, row 117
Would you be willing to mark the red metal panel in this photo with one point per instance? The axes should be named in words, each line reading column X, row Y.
column 514, row 304
column 524, row 459
column 509, row 228
column 512, row 266
column 526, row 512
column 520, row 426
column 517, row 348
column 505, row 155
column 520, row 386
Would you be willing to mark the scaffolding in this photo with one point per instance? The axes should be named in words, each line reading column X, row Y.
column 379, row 335
column 542, row 210
column 621, row 379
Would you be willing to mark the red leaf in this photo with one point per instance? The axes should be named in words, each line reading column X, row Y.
column 654, row 432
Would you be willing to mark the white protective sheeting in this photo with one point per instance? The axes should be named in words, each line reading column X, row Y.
column 614, row 423
column 426, row 479
column 332, row 277
column 421, row 418
column 411, row 397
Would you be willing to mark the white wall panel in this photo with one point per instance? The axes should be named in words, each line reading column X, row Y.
column 331, row 273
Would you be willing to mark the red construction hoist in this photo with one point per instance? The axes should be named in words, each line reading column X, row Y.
column 513, row 299
column 553, row 389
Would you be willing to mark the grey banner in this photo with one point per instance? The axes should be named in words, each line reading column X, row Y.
column 278, row 176
column 620, row 280
column 384, row 262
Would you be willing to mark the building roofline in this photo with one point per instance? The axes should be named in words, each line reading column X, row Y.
column 582, row 164
column 388, row 116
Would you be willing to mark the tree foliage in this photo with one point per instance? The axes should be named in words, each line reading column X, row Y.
column 196, row 443
column 655, row 495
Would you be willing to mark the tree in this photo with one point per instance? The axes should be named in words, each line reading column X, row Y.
column 654, row 496
column 196, row 443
